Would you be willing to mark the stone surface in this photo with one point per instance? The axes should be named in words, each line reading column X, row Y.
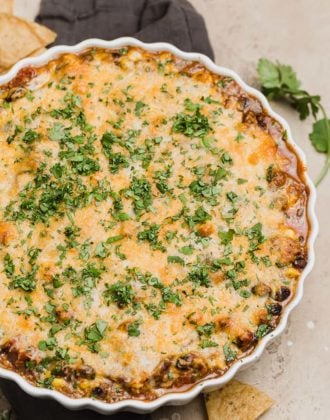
column 295, row 369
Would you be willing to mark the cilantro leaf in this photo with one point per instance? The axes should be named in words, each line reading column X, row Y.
column 288, row 76
column 319, row 135
column 277, row 76
column 279, row 81
column 268, row 74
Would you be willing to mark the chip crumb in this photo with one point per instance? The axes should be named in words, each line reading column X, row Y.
column 310, row 325
column 237, row 401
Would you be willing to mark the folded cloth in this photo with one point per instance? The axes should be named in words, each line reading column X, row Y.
column 174, row 21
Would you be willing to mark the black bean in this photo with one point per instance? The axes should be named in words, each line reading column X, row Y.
column 282, row 294
column 274, row 309
column 86, row 372
column 99, row 391
column 300, row 262
column 245, row 340
column 184, row 362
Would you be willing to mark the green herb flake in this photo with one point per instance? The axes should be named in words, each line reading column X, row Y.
column 120, row 293
column 133, row 329
column 263, row 330
column 187, row 250
column 196, row 125
column 206, row 343
column 230, row 355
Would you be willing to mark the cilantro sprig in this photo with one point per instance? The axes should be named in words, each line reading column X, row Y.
column 279, row 81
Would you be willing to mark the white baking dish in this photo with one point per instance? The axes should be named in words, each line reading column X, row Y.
column 175, row 398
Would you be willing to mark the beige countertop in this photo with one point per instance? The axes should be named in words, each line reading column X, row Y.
column 295, row 369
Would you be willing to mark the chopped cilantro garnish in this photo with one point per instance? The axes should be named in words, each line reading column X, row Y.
column 262, row 330
column 26, row 283
column 226, row 237
column 200, row 276
column 231, row 196
column 204, row 190
column 150, row 234
column 133, row 329
column 48, row 344
column 196, row 125
column 95, row 333
column 140, row 192
column 206, row 343
column 226, row 158
column 120, row 292
column 244, row 293
column 200, row 216
column 169, row 296
column 175, row 259
column 18, row 130
column 30, row 136
column 57, row 132
column 190, row 106
column 101, row 250
column 139, row 107
column 255, row 236
column 241, row 181
column 230, row 355
column 8, row 266
column 116, row 238
column 187, row 250
column 206, row 329
column 84, row 165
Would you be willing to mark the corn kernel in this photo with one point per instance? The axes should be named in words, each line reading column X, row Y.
column 84, row 384
column 58, row 383
column 292, row 273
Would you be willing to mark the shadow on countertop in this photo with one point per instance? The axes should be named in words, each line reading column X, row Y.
column 31, row 408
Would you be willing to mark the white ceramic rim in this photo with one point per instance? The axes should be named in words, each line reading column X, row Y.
column 174, row 398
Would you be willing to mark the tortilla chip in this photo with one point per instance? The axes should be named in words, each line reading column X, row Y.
column 7, row 6
column 237, row 401
column 20, row 38
column 45, row 35
column 16, row 40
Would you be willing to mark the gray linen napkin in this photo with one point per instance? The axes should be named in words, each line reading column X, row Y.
column 174, row 21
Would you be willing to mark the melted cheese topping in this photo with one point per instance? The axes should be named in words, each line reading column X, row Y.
column 152, row 219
